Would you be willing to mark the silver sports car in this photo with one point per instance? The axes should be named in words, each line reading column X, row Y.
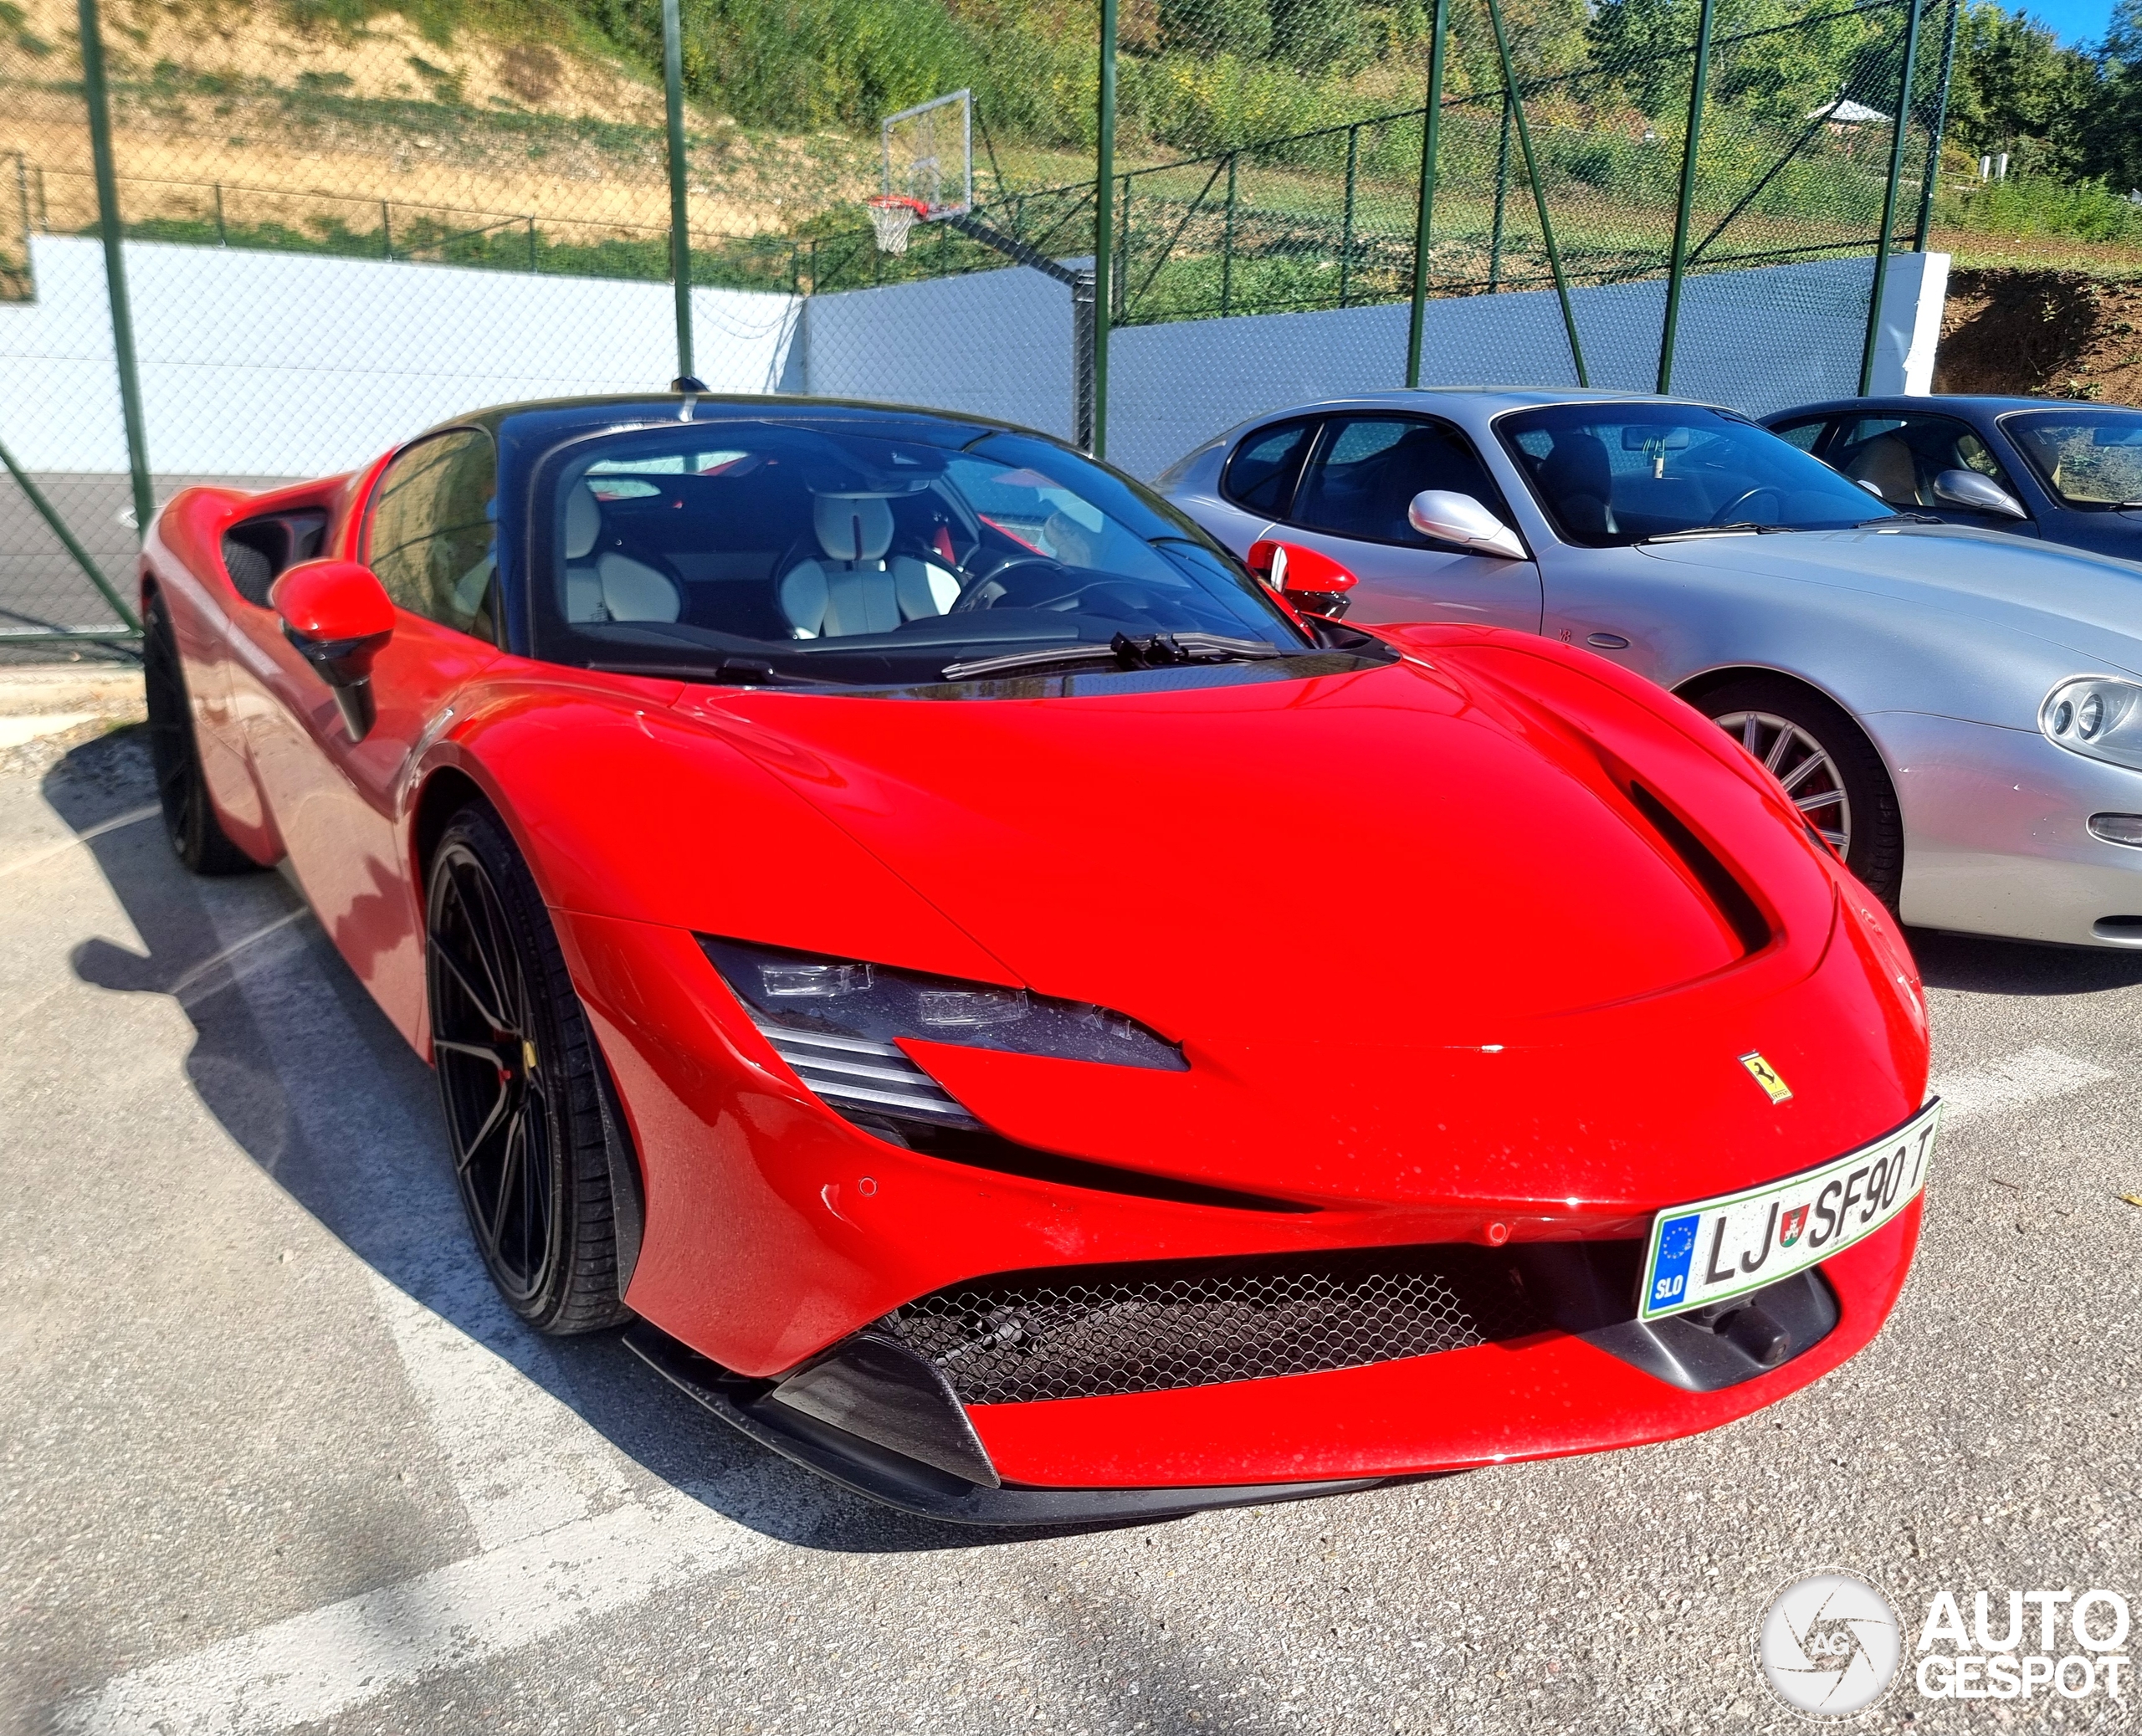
column 1958, row 711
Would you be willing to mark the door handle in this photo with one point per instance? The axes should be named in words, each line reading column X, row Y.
column 1606, row 642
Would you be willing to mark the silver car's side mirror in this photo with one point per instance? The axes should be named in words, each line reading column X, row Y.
column 1975, row 492
column 1460, row 518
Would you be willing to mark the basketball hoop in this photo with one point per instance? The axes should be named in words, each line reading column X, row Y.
column 891, row 215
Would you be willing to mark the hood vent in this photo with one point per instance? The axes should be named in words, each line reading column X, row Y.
column 1727, row 895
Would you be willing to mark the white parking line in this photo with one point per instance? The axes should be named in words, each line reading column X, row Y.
column 523, row 1461
column 30, row 858
column 314, row 1667
column 2014, row 1083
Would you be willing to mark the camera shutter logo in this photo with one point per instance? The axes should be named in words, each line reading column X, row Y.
column 1829, row 1645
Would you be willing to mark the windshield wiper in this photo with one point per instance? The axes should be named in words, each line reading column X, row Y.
column 1739, row 527
column 1160, row 651
column 1898, row 518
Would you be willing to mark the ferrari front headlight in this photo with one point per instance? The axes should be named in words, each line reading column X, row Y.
column 836, row 1022
column 2098, row 717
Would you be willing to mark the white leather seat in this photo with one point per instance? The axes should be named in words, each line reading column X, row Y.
column 854, row 589
column 609, row 586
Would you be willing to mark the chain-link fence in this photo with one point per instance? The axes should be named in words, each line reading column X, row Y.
column 332, row 226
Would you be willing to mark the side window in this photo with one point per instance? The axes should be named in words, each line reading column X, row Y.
column 433, row 536
column 1899, row 457
column 1802, row 434
column 1367, row 470
column 1261, row 474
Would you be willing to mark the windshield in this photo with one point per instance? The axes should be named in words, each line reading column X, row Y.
column 2088, row 458
column 1613, row 474
column 860, row 554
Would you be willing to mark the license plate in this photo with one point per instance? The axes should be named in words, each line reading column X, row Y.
column 1717, row 1249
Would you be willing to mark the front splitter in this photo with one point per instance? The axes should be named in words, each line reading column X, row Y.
column 896, row 1481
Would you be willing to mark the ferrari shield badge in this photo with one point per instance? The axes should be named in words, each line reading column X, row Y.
column 1764, row 1074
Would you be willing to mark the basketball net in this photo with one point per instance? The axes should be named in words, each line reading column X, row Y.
column 892, row 216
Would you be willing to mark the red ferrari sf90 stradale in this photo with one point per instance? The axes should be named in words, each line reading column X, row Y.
column 1016, row 1013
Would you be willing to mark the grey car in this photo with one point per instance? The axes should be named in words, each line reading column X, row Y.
column 1959, row 711
column 2033, row 466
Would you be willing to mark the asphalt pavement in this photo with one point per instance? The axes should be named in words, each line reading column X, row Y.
column 272, row 1458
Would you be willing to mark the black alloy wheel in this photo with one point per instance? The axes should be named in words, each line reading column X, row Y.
column 519, row 1083
column 1828, row 767
column 197, row 837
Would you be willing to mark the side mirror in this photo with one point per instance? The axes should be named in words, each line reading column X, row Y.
column 1975, row 492
column 338, row 615
column 1313, row 583
column 1462, row 520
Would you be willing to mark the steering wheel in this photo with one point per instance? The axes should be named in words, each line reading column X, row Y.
column 1724, row 515
column 970, row 600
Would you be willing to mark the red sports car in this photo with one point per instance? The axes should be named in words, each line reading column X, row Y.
column 1027, row 1017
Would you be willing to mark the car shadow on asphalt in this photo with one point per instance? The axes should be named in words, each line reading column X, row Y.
column 1983, row 965
column 309, row 1078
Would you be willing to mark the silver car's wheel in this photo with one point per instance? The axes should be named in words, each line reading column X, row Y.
column 1827, row 765
column 1802, row 765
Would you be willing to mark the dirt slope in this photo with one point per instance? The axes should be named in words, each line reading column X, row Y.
column 2045, row 333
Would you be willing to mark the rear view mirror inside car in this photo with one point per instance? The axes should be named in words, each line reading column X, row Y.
column 1642, row 437
column 2116, row 434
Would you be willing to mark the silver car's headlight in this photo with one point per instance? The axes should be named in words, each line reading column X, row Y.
column 2097, row 717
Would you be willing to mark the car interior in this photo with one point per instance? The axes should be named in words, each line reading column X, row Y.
column 1898, row 459
column 1620, row 481
column 798, row 548
column 721, row 550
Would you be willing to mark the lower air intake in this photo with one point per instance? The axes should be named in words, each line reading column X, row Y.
column 1086, row 1333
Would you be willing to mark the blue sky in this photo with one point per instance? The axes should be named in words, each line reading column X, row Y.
column 2075, row 21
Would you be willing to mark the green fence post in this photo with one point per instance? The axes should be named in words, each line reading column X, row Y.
column 1228, row 241
column 1698, row 86
column 1935, row 128
column 1121, row 289
column 223, row 233
column 1104, row 224
column 68, row 540
column 1346, row 226
column 386, row 231
column 680, row 229
column 1424, row 219
column 1539, row 191
column 1502, row 199
column 98, row 103
column 1888, row 200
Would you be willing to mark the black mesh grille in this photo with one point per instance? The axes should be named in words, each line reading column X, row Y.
column 1114, row 1330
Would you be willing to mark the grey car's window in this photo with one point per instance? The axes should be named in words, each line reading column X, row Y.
column 1261, row 474
column 1899, row 457
column 1367, row 470
column 1614, row 474
column 2091, row 459
column 433, row 536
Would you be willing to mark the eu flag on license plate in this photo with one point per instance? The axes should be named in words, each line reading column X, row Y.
column 1677, row 1248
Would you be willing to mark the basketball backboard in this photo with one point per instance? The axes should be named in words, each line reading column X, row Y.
column 929, row 154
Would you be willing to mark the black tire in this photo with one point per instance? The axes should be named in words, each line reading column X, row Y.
column 197, row 837
column 519, row 1083
column 1861, row 809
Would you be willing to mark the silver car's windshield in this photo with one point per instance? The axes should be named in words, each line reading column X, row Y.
column 2089, row 457
column 1613, row 473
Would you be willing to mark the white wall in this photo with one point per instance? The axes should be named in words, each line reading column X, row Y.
column 1756, row 341
column 288, row 364
column 280, row 364
column 996, row 343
